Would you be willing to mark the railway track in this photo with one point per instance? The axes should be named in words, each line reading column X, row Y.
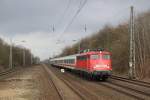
column 74, row 89
column 129, row 91
column 120, row 90
column 139, row 94
column 7, row 72
column 127, row 87
column 137, row 82
column 70, row 86
column 79, row 89
column 51, row 81
column 57, row 90
column 115, row 83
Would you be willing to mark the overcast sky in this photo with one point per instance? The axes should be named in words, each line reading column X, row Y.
column 32, row 21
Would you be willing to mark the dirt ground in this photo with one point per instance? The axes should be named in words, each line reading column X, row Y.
column 27, row 84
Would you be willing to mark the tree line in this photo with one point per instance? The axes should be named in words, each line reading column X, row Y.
column 17, row 56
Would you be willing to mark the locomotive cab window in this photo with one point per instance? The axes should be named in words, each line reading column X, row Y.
column 81, row 58
column 94, row 57
column 106, row 56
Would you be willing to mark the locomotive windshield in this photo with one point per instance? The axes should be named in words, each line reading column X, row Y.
column 94, row 57
column 106, row 56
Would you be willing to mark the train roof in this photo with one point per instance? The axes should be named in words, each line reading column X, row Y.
column 66, row 57
column 94, row 52
column 81, row 54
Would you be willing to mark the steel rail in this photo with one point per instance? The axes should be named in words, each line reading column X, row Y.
column 7, row 72
column 137, row 82
column 121, row 91
column 53, row 83
column 73, row 88
column 129, row 88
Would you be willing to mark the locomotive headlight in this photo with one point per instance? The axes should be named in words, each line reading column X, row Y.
column 100, row 66
column 108, row 66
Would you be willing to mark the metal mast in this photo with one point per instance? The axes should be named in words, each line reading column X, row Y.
column 53, row 28
column 132, row 46
column 10, row 55
column 31, row 59
column 79, row 47
column 24, row 58
column 85, row 28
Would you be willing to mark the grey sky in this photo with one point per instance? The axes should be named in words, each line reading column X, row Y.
column 31, row 20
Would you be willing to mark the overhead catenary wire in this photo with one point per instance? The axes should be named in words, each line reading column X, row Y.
column 73, row 18
column 62, row 16
column 80, row 7
column 64, row 12
column 78, row 11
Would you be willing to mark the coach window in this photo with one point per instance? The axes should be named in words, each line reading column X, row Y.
column 72, row 60
column 94, row 57
column 68, row 61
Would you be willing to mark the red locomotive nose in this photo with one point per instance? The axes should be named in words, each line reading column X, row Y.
column 100, row 62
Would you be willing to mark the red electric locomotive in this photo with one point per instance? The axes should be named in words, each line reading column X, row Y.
column 91, row 63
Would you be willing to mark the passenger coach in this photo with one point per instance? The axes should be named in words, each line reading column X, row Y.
column 90, row 63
